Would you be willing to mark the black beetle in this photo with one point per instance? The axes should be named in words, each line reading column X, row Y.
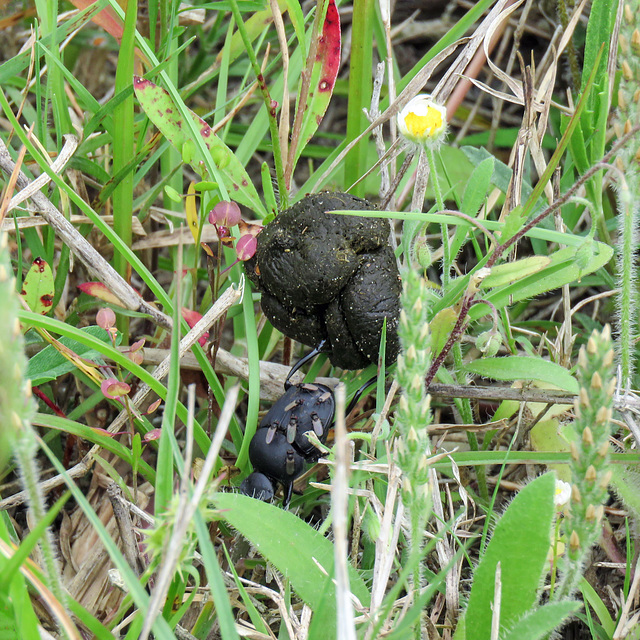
column 280, row 446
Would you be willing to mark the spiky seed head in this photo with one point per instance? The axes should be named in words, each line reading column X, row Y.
column 607, row 361
column 590, row 513
column 584, row 397
column 582, row 358
column 591, row 474
column 574, row 451
column 606, row 479
column 603, row 415
column 587, row 437
column 16, row 423
column 596, row 381
column 574, row 541
column 575, row 494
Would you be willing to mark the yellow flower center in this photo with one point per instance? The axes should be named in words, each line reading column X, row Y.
column 423, row 125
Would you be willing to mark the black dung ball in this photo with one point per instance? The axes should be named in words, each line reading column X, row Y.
column 330, row 277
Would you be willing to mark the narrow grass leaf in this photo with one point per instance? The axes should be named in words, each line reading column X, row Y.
column 523, row 368
column 566, row 267
column 216, row 584
column 106, row 441
column 595, row 602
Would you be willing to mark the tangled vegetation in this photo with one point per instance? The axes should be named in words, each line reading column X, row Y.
column 485, row 485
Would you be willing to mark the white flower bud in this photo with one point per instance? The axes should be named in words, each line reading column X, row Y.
column 422, row 120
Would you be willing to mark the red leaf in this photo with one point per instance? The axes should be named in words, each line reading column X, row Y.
column 329, row 50
column 98, row 290
column 106, row 19
column 112, row 388
column 192, row 318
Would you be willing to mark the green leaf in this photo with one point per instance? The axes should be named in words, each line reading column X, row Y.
column 50, row 364
column 524, row 368
column 292, row 546
column 520, row 543
column 564, row 268
column 599, row 607
column 514, row 271
column 599, row 30
column 161, row 110
column 441, row 327
column 478, row 186
column 540, row 622
column 513, row 222
column 37, row 289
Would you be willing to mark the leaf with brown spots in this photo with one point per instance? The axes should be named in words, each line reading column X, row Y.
column 162, row 111
column 38, row 289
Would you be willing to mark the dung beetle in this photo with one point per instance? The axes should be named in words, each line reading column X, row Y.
column 280, row 447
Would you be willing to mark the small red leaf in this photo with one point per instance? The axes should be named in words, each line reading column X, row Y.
column 192, row 318
column 246, row 247
column 154, row 434
column 106, row 318
column 153, row 406
column 113, row 388
column 98, row 290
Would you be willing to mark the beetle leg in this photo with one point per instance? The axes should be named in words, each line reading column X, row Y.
column 317, row 425
column 324, row 397
column 288, row 491
column 312, row 354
